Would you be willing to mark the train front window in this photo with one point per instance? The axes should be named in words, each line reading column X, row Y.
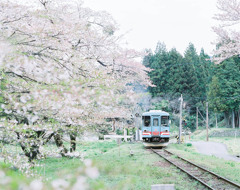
column 164, row 120
column 146, row 121
column 155, row 122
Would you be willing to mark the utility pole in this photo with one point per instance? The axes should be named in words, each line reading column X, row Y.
column 207, row 119
column 197, row 119
column 180, row 121
column 216, row 120
column 233, row 119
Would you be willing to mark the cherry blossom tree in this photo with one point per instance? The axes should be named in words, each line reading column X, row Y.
column 63, row 70
column 228, row 42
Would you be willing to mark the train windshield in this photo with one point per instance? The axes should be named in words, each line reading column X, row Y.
column 164, row 120
column 146, row 121
column 155, row 122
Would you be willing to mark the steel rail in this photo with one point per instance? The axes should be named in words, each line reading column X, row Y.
column 216, row 175
column 192, row 176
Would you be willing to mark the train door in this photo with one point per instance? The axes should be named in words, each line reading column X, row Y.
column 164, row 126
column 146, row 126
column 155, row 126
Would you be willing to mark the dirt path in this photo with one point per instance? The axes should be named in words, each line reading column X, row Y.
column 213, row 148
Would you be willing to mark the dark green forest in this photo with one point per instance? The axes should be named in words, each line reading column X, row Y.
column 199, row 80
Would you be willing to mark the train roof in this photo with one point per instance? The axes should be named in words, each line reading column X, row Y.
column 155, row 112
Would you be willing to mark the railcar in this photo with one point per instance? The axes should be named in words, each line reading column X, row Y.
column 155, row 128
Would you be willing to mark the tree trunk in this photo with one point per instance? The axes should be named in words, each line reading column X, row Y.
column 59, row 143
column 239, row 117
column 113, row 125
column 32, row 153
column 226, row 118
column 31, row 150
column 73, row 142
column 236, row 118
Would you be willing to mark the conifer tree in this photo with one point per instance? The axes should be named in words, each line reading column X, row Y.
column 224, row 88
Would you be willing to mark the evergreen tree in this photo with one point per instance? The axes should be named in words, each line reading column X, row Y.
column 224, row 89
column 158, row 75
column 175, row 73
column 191, row 86
column 197, row 78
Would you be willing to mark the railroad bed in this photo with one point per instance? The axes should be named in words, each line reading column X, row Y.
column 207, row 178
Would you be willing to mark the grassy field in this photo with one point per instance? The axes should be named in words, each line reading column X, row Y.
column 118, row 169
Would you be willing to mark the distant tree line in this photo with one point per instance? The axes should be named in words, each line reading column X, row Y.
column 199, row 80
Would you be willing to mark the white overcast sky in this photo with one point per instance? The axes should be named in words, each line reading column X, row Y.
column 174, row 22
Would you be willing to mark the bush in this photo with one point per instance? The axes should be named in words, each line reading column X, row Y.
column 119, row 132
column 189, row 144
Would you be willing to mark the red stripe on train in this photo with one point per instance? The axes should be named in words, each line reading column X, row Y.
column 164, row 133
column 146, row 133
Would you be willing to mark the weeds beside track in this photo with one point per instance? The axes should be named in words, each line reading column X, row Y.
column 207, row 178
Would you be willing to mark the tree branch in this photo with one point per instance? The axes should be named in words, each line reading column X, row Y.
column 25, row 77
column 101, row 63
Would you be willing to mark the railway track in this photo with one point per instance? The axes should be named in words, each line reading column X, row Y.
column 207, row 178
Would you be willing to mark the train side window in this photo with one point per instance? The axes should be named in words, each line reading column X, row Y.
column 155, row 122
column 146, row 121
column 164, row 120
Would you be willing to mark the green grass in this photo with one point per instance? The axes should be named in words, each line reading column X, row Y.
column 16, row 178
column 52, row 168
column 119, row 170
